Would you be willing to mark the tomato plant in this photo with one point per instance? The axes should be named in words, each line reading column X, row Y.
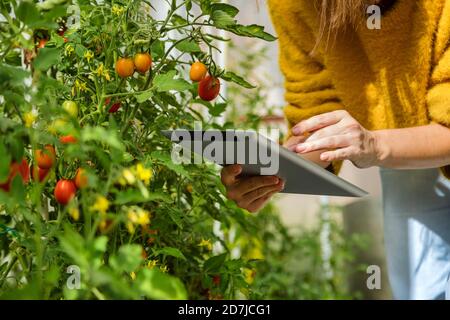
column 142, row 225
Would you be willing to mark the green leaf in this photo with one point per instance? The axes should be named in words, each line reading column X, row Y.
column 229, row 9
column 73, row 244
column 178, row 20
column 102, row 135
column 144, row 96
column 188, row 46
column 213, row 264
column 205, row 5
column 252, row 31
column 128, row 258
column 12, row 75
column 222, row 19
column 166, row 82
column 232, row 77
column 157, row 49
column 46, row 58
column 135, row 196
column 157, row 285
column 28, row 13
column 169, row 251
column 4, row 164
column 165, row 159
column 100, row 243
column 217, row 109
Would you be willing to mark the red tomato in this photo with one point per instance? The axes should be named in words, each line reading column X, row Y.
column 81, row 180
column 125, row 67
column 209, row 88
column 65, row 191
column 39, row 174
column 45, row 158
column 14, row 169
column 142, row 62
column 216, row 280
column 115, row 107
column 68, row 139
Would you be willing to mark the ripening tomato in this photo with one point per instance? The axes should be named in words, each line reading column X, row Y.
column 115, row 107
column 45, row 158
column 14, row 169
column 198, row 71
column 216, row 280
column 209, row 88
column 42, row 43
column 81, row 179
column 68, row 139
column 39, row 174
column 65, row 191
column 142, row 62
column 71, row 108
column 125, row 67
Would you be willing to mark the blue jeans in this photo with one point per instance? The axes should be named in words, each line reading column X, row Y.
column 417, row 232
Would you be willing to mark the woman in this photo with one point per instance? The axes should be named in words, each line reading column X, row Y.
column 377, row 98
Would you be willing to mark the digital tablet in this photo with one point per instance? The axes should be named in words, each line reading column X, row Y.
column 258, row 155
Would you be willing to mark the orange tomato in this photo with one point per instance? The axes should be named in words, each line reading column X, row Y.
column 125, row 67
column 81, row 179
column 142, row 62
column 68, row 139
column 198, row 71
column 45, row 158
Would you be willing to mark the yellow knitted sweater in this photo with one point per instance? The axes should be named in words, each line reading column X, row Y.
column 394, row 77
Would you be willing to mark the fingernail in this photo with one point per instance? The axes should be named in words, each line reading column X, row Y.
column 324, row 157
column 275, row 180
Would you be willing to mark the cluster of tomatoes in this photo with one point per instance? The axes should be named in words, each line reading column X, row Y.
column 141, row 63
column 45, row 160
column 208, row 86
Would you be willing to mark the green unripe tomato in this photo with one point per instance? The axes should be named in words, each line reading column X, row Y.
column 71, row 108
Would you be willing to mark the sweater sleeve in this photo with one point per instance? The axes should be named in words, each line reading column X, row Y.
column 438, row 96
column 309, row 87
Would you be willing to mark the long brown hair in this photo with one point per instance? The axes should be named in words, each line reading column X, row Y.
column 336, row 15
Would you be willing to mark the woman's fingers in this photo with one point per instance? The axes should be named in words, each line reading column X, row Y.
column 333, row 142
column 340, row 154
column 318, row 122
column 293, row 141
column 259, row 203
column 254, row 195
column 229, row 174
column 333, row 130
column 253, row 183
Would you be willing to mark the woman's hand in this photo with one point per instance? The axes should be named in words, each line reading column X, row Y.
column 340, row 137
column 250, row 193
